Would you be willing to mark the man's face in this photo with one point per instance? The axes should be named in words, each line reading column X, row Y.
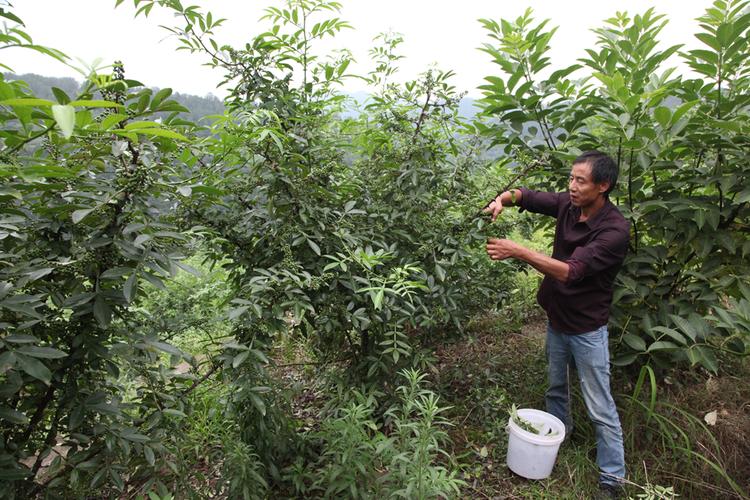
column 583, row 190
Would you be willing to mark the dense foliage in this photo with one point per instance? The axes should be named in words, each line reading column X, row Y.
column 683, row 293
column 356, row 234
column 370, row 259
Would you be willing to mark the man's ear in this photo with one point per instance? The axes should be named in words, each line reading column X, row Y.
column 603, row 186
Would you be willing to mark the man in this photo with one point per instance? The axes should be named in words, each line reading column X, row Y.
column 591, row 241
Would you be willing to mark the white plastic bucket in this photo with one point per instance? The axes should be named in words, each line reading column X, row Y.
column 533, row 455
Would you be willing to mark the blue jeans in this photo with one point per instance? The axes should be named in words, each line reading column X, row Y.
column 589, row 354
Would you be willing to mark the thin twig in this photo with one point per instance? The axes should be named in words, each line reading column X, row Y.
column 508, row 186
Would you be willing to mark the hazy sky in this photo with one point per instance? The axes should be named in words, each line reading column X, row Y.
column 435, row 31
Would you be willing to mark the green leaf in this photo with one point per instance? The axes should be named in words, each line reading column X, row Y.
column 724, row 34
column 112, row 120
column 237, row 312
column 706, row 55
column 12, row 416
column 130, row 289
column 16, row 474
column 176, row 413
column 159, row 132
column 134, row 126
column 694, row 355
column 700, row 217
column 684, row 325
column 39, row 273
column 663, row 115
column 61, row 96
column 28, row 102
column 634, row 342
column 96, row 104
column 625, row 360
column 155, row 281
column 7, row 361
column 41, row 352
column 148, row 453
column 208, row 190
column 79, row 215
column 65, row 117
column 240, row 358
column 743, row 197
column 20, row 338
column 131, row 136
column 258, row 403
column 99, row 478
column 728, row 125
column 314, row 246
column 440, row 272
column 116, row 479
column 102, row 311
column 709, row 359
column 76, row 417
column 709, row 40
column 662, row 346
column 671, row 333
column 168, row 348
column 705, row 245
column 159, row 98
column 34, row 368
column 188, row 268
column 117, row 272
column 725, row 240
column 131, row 435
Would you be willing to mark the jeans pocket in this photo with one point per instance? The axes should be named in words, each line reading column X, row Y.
column 596, row 334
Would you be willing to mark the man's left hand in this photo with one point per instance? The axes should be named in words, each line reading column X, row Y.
column 501, row 249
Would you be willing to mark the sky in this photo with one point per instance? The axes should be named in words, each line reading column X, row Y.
column 437, row 33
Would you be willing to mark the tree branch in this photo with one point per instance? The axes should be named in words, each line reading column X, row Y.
column 510, row 184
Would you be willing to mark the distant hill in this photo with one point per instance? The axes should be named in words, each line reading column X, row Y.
column 466, row 108
column 199, row 107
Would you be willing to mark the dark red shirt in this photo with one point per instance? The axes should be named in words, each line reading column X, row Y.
column 594, row 250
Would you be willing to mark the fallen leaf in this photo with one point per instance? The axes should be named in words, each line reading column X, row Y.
column 710, row 418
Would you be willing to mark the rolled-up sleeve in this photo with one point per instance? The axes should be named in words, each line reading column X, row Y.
column 605, row 251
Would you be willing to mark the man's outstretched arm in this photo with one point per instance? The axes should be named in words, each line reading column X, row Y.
column 505, row 249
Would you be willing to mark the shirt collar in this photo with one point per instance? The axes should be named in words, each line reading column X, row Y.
column 596, row 219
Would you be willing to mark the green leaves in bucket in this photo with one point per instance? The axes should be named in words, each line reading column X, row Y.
column 527, row 425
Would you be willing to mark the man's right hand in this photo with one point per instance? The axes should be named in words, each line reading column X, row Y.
column 496, row 207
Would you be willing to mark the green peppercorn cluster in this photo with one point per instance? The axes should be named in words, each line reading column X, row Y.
column 288, row 263
column 317, row 281
column 135, row 180
column 117, row 96
column 322, row 170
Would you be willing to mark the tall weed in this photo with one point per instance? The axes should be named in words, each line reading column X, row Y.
column 365, row 458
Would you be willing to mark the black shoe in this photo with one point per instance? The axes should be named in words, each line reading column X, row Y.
column 607, row 492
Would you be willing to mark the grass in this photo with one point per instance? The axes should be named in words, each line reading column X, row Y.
column 668, row 444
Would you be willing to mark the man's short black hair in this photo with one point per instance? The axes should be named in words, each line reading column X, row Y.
column 603, row 168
